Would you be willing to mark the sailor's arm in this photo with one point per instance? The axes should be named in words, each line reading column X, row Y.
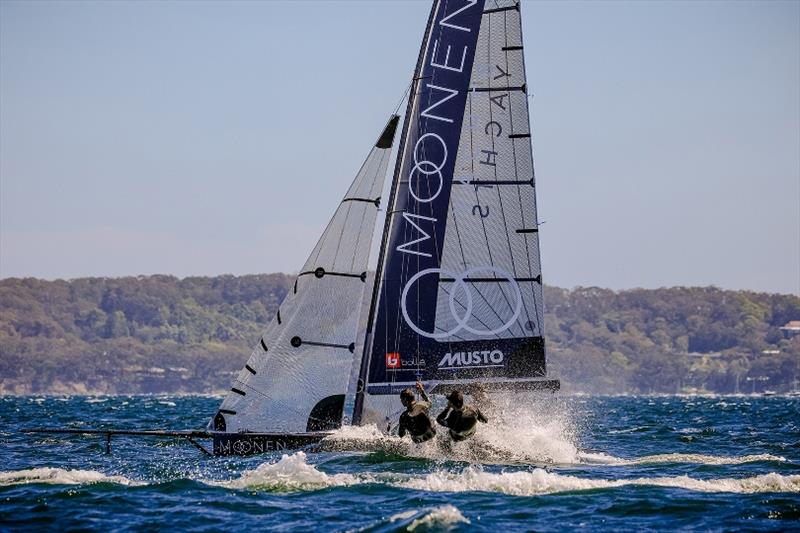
column 422, row 393
column 401, row 429
column 481, row 416
column 442, row 418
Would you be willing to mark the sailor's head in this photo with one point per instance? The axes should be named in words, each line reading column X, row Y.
column 456, row 399
column 407, row 397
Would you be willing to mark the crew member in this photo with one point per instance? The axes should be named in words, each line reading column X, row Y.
column 460, row 419
column 415, row 418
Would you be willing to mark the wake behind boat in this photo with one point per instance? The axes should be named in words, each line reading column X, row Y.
column 456, row 301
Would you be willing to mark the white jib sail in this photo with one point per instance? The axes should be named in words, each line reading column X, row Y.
column 295, row 378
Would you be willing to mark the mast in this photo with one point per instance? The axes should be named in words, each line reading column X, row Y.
column 390, row 212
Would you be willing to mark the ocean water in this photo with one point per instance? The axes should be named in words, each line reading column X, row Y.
column 552, row 463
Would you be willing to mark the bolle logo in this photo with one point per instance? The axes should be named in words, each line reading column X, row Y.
column 393, row 360
column 476, row 359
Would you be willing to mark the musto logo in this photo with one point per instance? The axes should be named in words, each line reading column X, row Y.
column 461, row 286
column 476, row 359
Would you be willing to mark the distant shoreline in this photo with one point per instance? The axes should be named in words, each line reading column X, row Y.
column 165, row 335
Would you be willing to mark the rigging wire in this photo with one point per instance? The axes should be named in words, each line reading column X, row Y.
column 403, row 98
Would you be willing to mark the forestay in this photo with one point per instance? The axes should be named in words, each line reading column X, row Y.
column 460, row 297
column 295, row 378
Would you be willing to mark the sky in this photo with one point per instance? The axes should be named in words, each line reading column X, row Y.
column 203, row 138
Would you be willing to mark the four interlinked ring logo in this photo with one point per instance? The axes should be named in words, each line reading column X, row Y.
column 460, row 285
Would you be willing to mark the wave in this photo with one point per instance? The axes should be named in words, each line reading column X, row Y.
column 441, row 518
column 59, row 476
column 294, row 473
column 540, row 482
column 291, row 473
column 537, row 445
column 445, row 515
column 600, row 458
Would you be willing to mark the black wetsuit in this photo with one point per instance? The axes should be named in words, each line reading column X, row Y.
column 417, row 422
column 461, row 422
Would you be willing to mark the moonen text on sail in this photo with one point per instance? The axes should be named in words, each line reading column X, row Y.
column 445, row 60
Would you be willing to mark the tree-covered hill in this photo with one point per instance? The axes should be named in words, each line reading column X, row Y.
column 142, row 334
column 164, row 334
column 680, row 339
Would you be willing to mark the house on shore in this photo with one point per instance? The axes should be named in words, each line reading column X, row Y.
column 791, row 329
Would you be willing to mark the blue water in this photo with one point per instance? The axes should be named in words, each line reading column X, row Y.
column 594, row 463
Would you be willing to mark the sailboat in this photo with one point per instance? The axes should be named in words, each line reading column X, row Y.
column 456, row 298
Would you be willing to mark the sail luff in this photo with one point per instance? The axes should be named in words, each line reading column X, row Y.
column 363, row 367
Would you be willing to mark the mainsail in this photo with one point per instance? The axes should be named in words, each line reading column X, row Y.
column 295, row 378
column 459, row 297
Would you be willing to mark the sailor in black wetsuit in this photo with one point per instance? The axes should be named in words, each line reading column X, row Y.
column 460, row 419
column 415, row 418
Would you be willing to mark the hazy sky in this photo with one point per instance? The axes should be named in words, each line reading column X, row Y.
column 206, row 138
